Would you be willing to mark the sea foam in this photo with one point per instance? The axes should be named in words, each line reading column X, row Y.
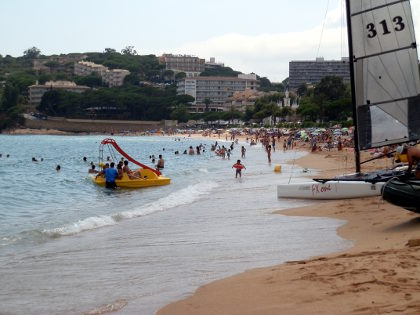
column 183, row 196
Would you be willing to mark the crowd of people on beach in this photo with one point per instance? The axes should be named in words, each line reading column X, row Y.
column 270, row 139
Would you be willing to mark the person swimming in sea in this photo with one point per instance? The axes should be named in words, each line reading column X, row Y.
column 92, row 169
column 161, row 163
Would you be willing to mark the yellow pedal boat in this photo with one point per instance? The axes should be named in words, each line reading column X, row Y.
column 148, row 179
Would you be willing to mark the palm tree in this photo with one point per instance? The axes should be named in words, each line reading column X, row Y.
column 207, row 103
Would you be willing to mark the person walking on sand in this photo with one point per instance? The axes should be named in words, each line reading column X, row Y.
column 238, row 166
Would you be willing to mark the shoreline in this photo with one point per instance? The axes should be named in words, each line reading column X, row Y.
column 379, row 274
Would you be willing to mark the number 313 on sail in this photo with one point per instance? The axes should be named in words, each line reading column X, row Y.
column 398, row 25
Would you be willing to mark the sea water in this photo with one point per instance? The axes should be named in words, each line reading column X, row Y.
column 68, row 246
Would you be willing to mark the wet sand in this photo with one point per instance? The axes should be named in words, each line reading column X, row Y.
column 380, row 274
column 28, row 131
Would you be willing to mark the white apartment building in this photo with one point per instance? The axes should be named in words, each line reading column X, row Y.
column 216, row 89
column 84, row 68
column 191, row 65
column 113, row 77
column 312, row 71
column 37, row 91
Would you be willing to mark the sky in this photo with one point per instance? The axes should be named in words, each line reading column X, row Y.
column 248, row 36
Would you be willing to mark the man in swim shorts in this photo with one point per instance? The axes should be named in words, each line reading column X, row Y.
column 161, row 163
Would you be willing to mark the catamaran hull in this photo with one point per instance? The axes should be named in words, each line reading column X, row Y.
column 330, row 190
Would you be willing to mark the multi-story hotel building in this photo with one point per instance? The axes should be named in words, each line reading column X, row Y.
column 191, row 65
column 37, row 91
column 312, row 71
column 217, row 90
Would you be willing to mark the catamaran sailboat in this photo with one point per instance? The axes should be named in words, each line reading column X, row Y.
column 385, row 90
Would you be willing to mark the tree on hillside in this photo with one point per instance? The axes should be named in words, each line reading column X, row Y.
column 9, row 107
column 219, row 72
column 180, row 75
column 264, row 82
column 132, row 79
column 91, row 80
column 302, row 89
column 285, row 111
column 129, row 50
column 125, row 102
column 232, row 114
column 144, row 67
column 212, row 116
column 180, row 113
column 50, row 103
column 308, row 110
column 21, row 80
column 329, row 101
column 265, row 110
column 332, row 87
column 248, row 113
column 44, row 77
column 31, row 53
column 110, row 51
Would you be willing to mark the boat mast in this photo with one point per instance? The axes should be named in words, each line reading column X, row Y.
column 353, row 88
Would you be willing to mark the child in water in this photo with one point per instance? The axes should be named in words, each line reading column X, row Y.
column 238, row 166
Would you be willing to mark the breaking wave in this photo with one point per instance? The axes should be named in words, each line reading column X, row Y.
column 181, row 197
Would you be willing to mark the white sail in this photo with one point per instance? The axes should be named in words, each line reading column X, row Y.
column 386, row 73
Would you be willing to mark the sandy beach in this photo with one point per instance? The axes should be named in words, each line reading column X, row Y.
column 380, row 274
column 29, row 131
